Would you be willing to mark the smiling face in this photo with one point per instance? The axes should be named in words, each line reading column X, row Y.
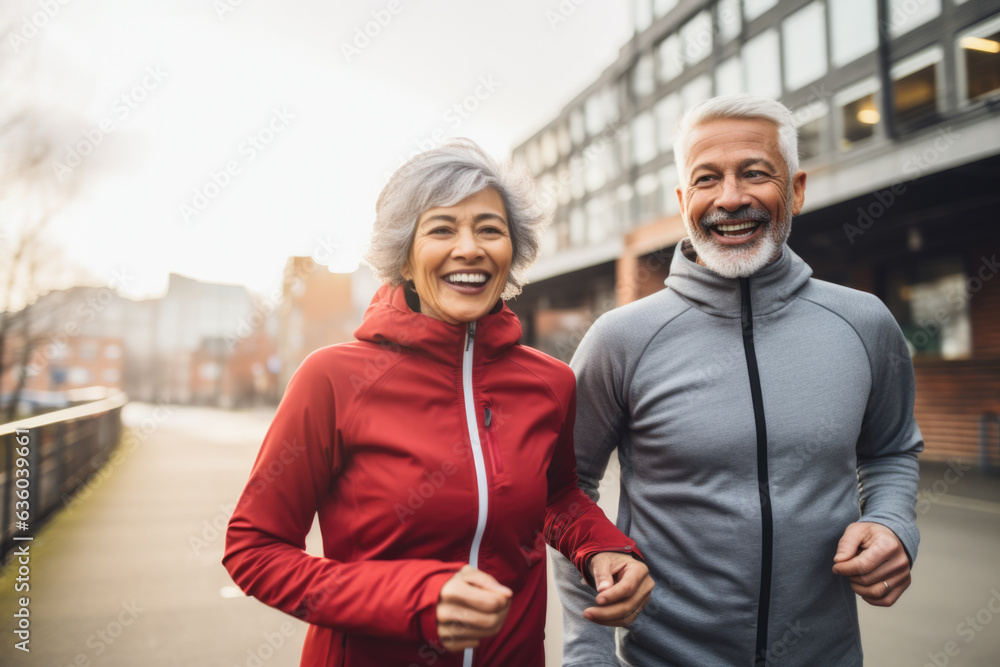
column 738, row 201
column 460, row 258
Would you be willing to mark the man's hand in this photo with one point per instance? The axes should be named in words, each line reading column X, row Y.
column 472, row 605
column 623, row 588
column 873, row 559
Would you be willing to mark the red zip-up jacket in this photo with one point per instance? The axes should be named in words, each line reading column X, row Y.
column 423, row 446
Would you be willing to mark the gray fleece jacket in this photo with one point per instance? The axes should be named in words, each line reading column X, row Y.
column 754, row 419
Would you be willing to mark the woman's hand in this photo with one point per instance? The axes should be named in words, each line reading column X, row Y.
column 472, row 605
column 623, row 588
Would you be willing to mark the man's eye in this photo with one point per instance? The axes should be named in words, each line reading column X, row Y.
column 755, row 174
column 704, row 179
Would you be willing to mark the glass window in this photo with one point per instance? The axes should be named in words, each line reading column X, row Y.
column 624, row 148
column 550, row 239
column 577, row 227
column 594, row 114
column 668, row 185
column 623, row 205
column 647, row 189
column 729, row 76
column 727, row 19
column 609, row 97
column 853, row 29
column 534, row 157
column 607, row 158
column 576, row 185
column 859, row 112
column 594, row 171
column 87, row 350
column 113, row 351
column 668, row 113
column 670, row 58
column 922, row 297
column 110, row 375
column 598, row 220
column 550, row 151
column 696, row 37
column 812, row 122
column 642, row 77
column 915, row 85
column 979, row 60
column 763, row 65
column 696, row 90
column 546, row 190
column 661, row 7
column 804, row 33
column 754, row 8
column 643, row 138
column 563, row 188
column 643, row 14
column 78, row 375
column 905, row 15
column 565, row 143
column 577, row 131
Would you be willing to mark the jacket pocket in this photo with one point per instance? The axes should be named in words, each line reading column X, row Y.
column 492, row 446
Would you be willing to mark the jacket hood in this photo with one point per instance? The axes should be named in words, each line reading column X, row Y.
column 390, row 319
column 771, row 288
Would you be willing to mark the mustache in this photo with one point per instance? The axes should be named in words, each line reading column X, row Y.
column 747, row 212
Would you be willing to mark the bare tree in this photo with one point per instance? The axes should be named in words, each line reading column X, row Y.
column 33, row 190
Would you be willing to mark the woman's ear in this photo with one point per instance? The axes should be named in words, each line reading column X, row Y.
column 405, row 272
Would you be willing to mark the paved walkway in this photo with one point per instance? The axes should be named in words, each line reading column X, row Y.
column 130, row 575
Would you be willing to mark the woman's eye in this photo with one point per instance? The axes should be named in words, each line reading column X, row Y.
column 440, row 231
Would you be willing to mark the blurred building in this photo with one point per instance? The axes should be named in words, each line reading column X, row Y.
column 318, row 308
column 898, row 109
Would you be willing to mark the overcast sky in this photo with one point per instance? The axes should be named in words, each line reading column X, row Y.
column 299, row 118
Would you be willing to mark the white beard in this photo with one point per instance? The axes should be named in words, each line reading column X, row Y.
column 741, row 261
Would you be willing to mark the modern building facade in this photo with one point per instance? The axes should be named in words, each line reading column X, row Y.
column 898, row 108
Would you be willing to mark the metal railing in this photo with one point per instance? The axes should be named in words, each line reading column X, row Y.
column 48, row 457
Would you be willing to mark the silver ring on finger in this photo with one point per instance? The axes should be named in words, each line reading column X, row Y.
column 886, row 586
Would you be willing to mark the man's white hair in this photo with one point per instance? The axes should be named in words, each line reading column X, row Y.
column 742, row 105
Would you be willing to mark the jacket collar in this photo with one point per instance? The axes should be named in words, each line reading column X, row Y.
column 389, row 319
column 771, row 288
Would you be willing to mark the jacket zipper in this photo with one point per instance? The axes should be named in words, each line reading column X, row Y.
column 764, row 489
column 477, row 456
column 491, row 440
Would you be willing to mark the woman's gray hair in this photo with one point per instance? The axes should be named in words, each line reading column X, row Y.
column 444, row 176
column 742, row 105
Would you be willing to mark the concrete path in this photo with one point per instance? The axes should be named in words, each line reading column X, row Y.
column 130, row 575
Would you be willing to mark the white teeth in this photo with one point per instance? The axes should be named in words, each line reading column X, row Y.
column 737, row 227
column 474, row 278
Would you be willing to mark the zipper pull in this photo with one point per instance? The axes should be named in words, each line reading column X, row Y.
column 470, row 336
column 488, row 416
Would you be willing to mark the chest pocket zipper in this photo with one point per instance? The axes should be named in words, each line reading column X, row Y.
column 491, row 440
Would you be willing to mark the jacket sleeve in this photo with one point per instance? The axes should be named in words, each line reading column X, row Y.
column 299, row 459
column 890, row 439
column 597, row 433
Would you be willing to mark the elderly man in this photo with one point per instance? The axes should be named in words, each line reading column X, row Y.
column 763, row 421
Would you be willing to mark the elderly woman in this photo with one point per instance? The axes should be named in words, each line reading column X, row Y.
column 437, row 451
